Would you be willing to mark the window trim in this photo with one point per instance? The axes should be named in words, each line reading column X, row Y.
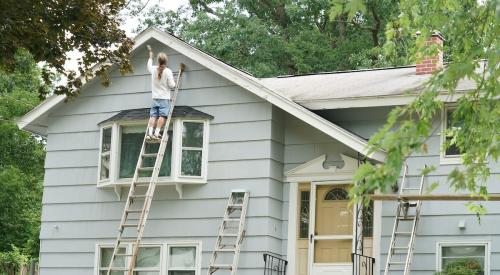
column 443, row 158
column 164, row 254
column 487, row 252
column 175, row 177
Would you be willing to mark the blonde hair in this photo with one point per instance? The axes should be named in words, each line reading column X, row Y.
column 162, row 63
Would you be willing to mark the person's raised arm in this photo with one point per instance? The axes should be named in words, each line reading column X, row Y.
column 150, row 60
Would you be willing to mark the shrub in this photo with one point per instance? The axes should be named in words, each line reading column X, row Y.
column 465, row 266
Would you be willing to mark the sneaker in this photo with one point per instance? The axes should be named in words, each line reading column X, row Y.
column 148, row 137
column 157, row 137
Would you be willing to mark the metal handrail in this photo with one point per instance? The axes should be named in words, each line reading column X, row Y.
column 274, row 265
column 362, row 264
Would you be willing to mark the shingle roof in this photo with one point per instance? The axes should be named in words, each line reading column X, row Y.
column 353, row 84
column 140, row 114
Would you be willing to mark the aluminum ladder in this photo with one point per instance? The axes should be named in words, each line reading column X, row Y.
column 231, row 233
column 138, row 203
column 402, row 242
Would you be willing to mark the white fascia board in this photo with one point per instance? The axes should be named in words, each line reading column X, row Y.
column 371, row 101
column 253, row 85
column 25, row 121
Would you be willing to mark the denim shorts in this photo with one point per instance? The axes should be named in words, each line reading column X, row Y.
column 160, row 107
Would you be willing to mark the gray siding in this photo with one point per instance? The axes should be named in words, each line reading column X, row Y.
column 243, row 154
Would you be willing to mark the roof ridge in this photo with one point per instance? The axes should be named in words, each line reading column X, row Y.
column 342, row 72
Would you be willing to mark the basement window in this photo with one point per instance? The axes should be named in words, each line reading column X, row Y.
column 451, row 252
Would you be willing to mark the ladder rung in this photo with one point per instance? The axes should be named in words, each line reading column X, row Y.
column 397, row 263
column 115, row 268
column 129, row 225
column 400, row 248
column 235, row 206
column 229, row 235
column 149, row 155
column 142, row 182
column 134, row 211
column 407, row 218
column 226, row 250
column 403, row 233
column 124, row 255
column 138, row 196
column 152, row 141
column 411, row 188
column 146, row 169
column 127, row 240
column 222, row 266
column 231, row 219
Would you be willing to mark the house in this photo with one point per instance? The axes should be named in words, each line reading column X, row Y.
column 292, row 142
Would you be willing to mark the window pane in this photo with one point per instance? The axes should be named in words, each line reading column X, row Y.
column 452, row 149
column 172, row 272
column 182, row 257
column 105, row 163
column 106, row 140
column 148, row 257
column 463, row 251
column 191, row 163
column 106, row 254
column 192, row 134
column 131, row 142
column 304, row 214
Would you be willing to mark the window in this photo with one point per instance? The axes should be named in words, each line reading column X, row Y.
column 449, row 252
column 304, row 214
column 182, row 259
column 104, row 258
column 337, row 194
column 452, row 153
column 148, row 261
column 185, row 159
column 192, row 148
column 105, row 157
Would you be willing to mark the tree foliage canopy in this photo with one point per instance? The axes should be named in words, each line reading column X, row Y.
column 21, row 164
column 269, row 38
column 472, row 31
column 50, row 30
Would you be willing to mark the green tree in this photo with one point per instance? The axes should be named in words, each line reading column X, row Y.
column 472, row 31
column 269, row 38
column 50, row 30
column 21, row 164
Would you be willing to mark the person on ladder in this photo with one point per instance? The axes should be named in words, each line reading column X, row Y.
column 162, row 81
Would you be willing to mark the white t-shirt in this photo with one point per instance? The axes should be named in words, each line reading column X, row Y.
column 161, row 87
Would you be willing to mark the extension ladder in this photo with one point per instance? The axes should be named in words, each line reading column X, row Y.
column 134, row 219
column 231, row 233
column 402, row 242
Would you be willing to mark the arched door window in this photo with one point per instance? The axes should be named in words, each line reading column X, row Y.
column 337, row 194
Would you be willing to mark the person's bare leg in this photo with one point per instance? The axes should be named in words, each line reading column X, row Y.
column 151, row 126
column 159, row 125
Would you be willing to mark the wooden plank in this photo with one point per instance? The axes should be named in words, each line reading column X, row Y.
column 440, row 197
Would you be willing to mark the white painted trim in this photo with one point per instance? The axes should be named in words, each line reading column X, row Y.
column 377, row 235
column 164, row 253
column 293, row 202
column 25, row 121
column 314, row 170
column 371, row 101
column 487, row 251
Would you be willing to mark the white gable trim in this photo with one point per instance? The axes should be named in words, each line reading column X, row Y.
column 314, row 170
column 253, row 85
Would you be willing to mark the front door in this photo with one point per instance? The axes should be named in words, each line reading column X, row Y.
column 331, row 230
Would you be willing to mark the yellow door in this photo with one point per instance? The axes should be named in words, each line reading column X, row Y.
column 330, row 245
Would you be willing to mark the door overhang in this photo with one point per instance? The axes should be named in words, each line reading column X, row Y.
column 317, row 170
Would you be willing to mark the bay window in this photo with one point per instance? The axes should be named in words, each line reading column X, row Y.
column 185, row 159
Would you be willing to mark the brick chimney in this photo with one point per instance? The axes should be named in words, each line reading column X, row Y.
column 430, row 64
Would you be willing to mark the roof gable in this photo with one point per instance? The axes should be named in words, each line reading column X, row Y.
column 234, row 75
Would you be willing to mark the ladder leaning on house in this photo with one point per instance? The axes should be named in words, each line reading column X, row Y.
column 231, row 233
column 402, row 242
column 134, row 219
